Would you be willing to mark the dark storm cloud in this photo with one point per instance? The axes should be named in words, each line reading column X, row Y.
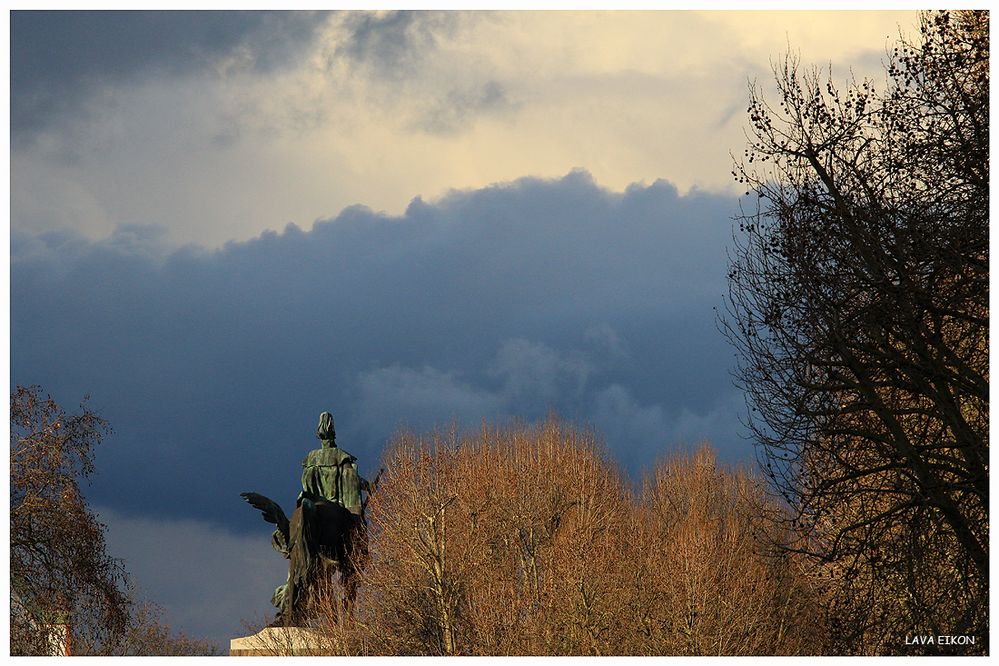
column 59, row 59
column 494, row 303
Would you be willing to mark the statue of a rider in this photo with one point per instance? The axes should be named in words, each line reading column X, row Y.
column 329, row 474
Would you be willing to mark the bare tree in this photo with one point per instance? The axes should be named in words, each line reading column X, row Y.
column 148, row 634
column 706, row 579
column 504, row 541
column 524, row 540
column 859, row 305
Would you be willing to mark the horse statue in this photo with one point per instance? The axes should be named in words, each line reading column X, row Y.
column 321, row 539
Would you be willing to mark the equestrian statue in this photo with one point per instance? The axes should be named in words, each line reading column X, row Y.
column 327, row 532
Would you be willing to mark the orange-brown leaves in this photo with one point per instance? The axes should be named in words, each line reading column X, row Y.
column 525, row 540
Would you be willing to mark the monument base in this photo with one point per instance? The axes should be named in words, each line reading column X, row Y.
column 278, row 642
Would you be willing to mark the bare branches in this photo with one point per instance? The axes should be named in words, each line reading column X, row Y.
column 858, row 303
column 524, row 540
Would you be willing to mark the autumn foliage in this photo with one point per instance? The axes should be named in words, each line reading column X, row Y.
column 526, row 540
column 67, row 593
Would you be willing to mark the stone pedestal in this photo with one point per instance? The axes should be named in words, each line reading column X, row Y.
column 278, row 642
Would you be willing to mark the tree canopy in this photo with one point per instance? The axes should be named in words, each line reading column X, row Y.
column 68, row 594
column 859, row 306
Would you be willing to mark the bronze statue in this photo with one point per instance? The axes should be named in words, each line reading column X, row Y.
column 327, row 532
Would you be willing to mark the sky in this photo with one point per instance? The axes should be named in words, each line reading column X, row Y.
column 224, row 223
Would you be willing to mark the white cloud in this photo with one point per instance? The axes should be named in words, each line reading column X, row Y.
column 535, row 373
column 419, row 398
column 608, row 341
column 436, row 102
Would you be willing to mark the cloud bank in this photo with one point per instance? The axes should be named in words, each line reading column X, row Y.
column 495, row 303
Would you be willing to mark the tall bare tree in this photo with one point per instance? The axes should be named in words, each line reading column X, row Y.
column 859, row 306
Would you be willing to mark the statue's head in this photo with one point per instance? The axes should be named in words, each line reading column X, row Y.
column 325, row 431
